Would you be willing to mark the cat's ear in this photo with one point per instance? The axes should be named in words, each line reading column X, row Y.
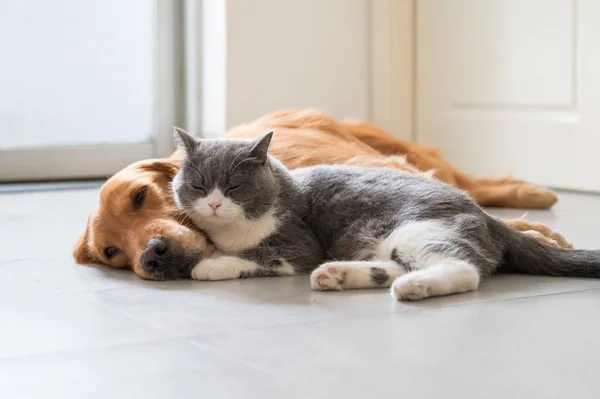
column 260, row 146
column 184, row 140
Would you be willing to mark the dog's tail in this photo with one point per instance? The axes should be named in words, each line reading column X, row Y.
column 524, row 254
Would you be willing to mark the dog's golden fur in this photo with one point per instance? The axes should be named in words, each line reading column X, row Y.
column 116, row 223
column 303, row 138
column 306, row 137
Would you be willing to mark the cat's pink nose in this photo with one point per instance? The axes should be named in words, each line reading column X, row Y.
column 214, row 205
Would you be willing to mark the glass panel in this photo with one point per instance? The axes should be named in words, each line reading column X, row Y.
column 76, row 72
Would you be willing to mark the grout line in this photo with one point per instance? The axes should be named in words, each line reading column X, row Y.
column 507, row 299
column 363, row 316
column 84, row 348
column 230, row 357
column 101, row 306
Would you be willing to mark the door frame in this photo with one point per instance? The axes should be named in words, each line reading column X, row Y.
column 102, row 160
column 393, row 69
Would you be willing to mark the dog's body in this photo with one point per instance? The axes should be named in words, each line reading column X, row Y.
column 136, row 215
column 307, row 138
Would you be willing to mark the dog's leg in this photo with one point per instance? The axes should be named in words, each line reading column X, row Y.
column 540, row 232
column 507, row 192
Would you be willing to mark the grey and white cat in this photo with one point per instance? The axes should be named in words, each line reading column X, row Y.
column 352, row 227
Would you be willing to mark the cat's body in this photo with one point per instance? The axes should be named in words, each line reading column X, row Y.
column 353, row 210
column 373, row 227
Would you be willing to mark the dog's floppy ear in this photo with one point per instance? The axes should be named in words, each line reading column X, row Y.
column 184, row 140
column 167, row 166
column 260, row 146
column 82, row 253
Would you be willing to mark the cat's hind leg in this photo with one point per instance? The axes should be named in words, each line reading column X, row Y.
column 444, row 277
column 355, row 274
column 438, row 256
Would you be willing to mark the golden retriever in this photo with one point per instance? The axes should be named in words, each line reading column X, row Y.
column 136, row 214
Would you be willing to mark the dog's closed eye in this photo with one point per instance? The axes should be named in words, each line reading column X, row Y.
column 139, row 197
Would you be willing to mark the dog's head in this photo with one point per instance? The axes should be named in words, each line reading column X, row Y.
column 138, row 226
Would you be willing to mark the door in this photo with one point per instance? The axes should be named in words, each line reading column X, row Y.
column 512, row 87
column 84, row 86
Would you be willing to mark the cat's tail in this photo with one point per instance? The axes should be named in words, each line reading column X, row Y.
column 524, row 254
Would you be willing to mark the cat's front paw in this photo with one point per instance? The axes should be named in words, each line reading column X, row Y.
column 215, row 269
column 327, row 277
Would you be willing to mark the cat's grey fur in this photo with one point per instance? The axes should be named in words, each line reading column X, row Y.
column 350, row 206
column 212, row 162
column 343, row 213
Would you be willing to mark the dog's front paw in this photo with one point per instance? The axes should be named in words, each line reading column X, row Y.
column 533, row 196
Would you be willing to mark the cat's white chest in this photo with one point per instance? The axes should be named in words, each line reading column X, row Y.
column 242, row 234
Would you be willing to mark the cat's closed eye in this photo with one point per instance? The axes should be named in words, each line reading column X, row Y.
column 199, row 188
column 231, row 189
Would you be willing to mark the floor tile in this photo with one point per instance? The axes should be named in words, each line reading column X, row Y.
column 72, row 331
column 43, row 225
column 188, row 308
column 38, row 319
column 540, row 347
column 166, row 369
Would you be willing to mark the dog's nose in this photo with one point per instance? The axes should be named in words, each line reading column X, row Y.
column 156, row 253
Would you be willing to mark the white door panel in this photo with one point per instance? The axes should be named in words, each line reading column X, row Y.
column 511, row 86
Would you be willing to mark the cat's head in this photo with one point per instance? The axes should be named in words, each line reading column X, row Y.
column 221, row 181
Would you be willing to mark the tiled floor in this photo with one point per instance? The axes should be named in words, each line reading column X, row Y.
column 69, row 331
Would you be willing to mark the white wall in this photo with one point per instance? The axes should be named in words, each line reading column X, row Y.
column 280, row 54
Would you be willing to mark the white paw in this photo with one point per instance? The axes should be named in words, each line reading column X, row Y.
column 327, row 277
column 215, row 269
column 410, row 289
